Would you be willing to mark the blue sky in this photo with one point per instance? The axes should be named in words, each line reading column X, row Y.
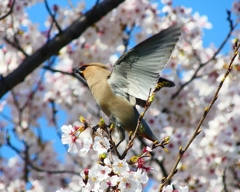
column 214, row 9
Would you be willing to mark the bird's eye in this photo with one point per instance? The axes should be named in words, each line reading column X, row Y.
column 83, row 68
column 80, row 70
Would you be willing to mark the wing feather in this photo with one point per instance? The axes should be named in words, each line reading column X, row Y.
column 137, row 71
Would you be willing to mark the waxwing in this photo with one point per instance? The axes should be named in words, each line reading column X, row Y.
column 133, row 75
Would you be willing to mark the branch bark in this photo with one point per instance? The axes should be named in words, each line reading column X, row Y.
column 10, row 10
column 51, row 48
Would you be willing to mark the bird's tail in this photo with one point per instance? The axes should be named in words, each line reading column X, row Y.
column 162, row 82
column 144, row 129
column 146, row 132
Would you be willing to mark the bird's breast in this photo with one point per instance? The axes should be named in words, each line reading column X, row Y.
column 113, row 105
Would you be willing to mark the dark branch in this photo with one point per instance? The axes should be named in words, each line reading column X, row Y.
column 65, row 73
column 53, row 16
column 126, row 40
column 224, row 180
column 229, row 19
column 39, row 169
column 9, row 12
column 15, row 149
column 160, row 163
column 25, row 168
column 53, row 46
column 206, row 111
column 25, row 156
column 16, row 45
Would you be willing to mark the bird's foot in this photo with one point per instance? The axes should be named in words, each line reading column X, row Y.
column 95, row 128
column 110, row 149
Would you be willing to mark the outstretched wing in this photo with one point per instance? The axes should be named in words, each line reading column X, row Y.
column 137, row 71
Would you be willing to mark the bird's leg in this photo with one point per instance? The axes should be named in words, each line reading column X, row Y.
column 95, row 128
column 121, row 132
column 119, row 128
column 110, row 149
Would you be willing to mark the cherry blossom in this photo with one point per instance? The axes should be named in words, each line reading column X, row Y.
column 87, row 144
column 127, row 183
column 120, row 166
column 70, row 137
column 101, row 146
column 103, row 172
column 236, row 7
column 58, row 98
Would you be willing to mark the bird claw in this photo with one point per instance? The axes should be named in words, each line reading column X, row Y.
column 95, row 128
column 110, row 149
column 114, row 146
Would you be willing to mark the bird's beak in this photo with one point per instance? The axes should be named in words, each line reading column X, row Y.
column 78, row 71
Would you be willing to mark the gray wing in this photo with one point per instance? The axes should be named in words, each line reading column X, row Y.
column 137, row 71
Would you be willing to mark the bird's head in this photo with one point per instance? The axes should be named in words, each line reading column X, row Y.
column 80, row 71
column 87, row 69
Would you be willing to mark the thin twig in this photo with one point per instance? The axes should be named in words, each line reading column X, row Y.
column 65, row 73
column 8, row 118
column 107, row 129
column 10, row 10
column 229, row 19
column 99, row 133
column 235, row 177
column 16, row 45
column 25, row 168
column 126, row 40
column 17, row 105
column 198, row 130
column 133, row 136
column 201, row 65
column 18, row 151
column 54, row 121
column 53, row 16
column 52, row 171
column 224, row 180
column 30, row 100
column 25, row 156
column 71, row 6
column 49, row 31
column 160, row 163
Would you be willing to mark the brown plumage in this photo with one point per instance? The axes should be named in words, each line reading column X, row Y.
column 133, row 75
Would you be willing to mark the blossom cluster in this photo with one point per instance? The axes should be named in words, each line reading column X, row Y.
column 109, row 174
column 113, row 175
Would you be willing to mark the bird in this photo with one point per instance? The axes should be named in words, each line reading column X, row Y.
column 133, row 76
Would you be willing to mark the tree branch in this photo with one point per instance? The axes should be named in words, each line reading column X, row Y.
column 53, row 46
column 39, row 169
column 16, row 45
column 65, row 73
column 9, row 12
column 126, row 40
column 225, row 189
column 197, row 129
column 53, row 15
column 201, row 65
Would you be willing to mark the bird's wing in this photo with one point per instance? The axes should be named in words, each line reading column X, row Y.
column 137, row 71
